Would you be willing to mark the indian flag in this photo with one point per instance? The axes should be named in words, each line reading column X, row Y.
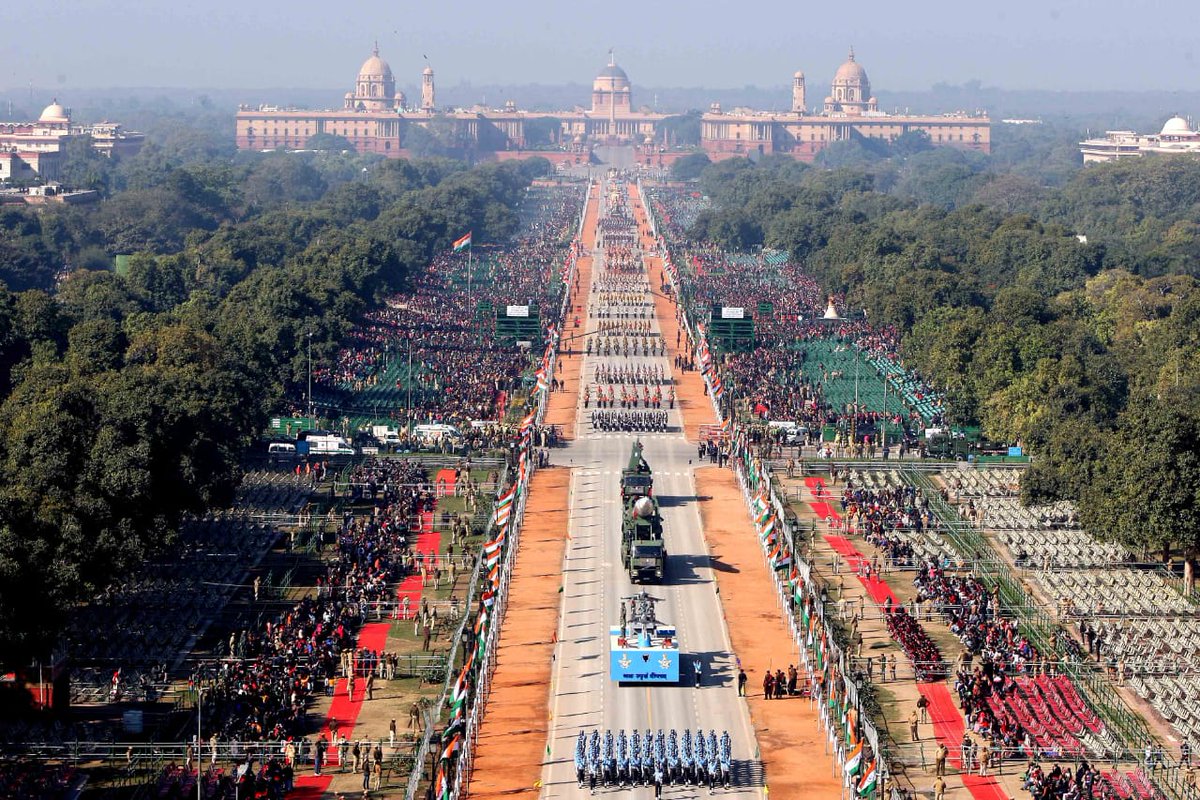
column 463, row 243
column 768, row 528
column 854, row 759
column 442, row 788
column 871, row 777
column 782, row 560
column 504, row 506
column 451, row 748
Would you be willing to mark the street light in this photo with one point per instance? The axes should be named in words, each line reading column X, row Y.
column 199, row 739
column 310, row 405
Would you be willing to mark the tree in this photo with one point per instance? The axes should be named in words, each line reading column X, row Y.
column 329, row 141
column 690, row 167
column 1146, row 491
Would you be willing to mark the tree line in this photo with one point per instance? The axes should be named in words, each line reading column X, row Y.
column 127, row 398
column 1067, row 322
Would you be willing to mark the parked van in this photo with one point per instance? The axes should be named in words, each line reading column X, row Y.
column 435, row 432
column 281, row 449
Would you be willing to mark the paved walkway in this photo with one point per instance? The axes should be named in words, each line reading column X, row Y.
column 561, row 410
column 792, row 747
column 512, row 735
column 690, row 390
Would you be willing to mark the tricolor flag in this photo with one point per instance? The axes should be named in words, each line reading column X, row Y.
column 543, row 384
column 488, row 597
column 783, row 561
column 527, row 423
column 867, row 785
column 769, row 529
column 854, row 759
column 504, row 507
column 442, row 786
column 456, row 725
column 725, row 425
column 451, row 748
column 463, row 243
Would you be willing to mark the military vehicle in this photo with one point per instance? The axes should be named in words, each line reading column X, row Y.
column 643, row 552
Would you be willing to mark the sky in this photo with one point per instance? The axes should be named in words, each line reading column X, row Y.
column 233, row 44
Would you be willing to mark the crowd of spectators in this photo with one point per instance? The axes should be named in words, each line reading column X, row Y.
column 263, row 691
column 783, row 377
column 972, row 613
column 458, row 371
column 877, row 515
column 920, row 649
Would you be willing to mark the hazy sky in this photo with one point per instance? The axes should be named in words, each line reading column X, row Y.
column 1060, row 44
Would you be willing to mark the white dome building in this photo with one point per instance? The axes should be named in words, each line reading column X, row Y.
column 851, row 90
column 375, row 87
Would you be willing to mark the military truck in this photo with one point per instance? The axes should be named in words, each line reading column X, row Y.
column 643, row 552
column 636, row 480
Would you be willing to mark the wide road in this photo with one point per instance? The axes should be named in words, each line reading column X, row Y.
column 582, row 695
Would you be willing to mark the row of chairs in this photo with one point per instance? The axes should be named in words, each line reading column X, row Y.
column 970, row 482
column 926, row 544
column 1118, row 591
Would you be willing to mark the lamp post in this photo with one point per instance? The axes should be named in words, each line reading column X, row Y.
column 310, row 405
column 199, row 739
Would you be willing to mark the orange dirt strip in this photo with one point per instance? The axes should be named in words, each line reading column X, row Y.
column 690, row 392
column 561, row 410
column 512, row 734
column 792, row 749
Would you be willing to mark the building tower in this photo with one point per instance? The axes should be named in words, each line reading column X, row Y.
column 798, row 104
column 610, row 91
column 375, row 88
column 427, row 99
column 851, row 90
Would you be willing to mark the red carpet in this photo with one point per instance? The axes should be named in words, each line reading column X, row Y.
column 948, row 727
column 429, row 541
column 821, row 505
column 878, row 589
column 344, row 709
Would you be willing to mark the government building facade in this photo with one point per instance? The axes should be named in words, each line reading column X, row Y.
column 849, row 111
column 375, row 118
column 1175, row 138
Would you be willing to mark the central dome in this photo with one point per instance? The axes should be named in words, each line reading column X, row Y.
column 1175, row 126
column 850, row 71
column 53, row 113
column 375, row 66
column 613, row 71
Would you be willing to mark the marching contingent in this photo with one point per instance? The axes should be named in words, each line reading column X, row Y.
column 646, row 759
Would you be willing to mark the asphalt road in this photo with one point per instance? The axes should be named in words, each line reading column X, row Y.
column 583, row 697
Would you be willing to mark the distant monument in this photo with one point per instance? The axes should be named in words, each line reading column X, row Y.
column 831, row 311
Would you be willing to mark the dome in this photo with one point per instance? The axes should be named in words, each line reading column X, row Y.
column 53, row 113
column 375, row 66
column 850, row 71
column 427, row 71
column 799, row 75
column 1175, row 126
column 614, row 72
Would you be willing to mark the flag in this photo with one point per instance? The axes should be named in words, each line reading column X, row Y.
column 504, row 507
column 463, row 243
column 488, row 597
column 442, row 787
column 854, row 759
column 867, row 785
column 451, row 748
column 543, row 384
column 455, row 727
column 783, row 561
